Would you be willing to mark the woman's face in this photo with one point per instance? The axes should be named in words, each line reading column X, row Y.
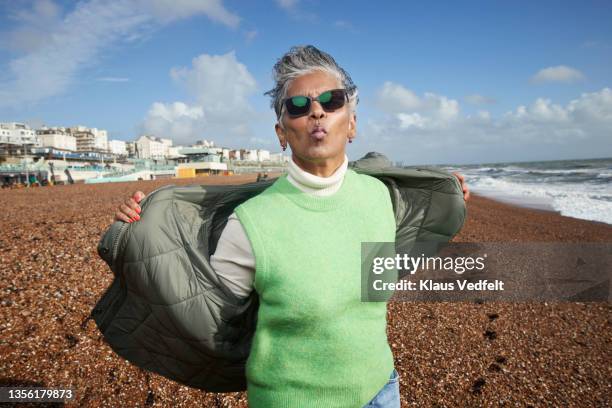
column 317, row 139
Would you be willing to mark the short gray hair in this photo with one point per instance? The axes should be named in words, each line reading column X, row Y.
column 303, row 60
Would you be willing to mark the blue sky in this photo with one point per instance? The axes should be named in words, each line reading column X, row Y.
column 450, row 82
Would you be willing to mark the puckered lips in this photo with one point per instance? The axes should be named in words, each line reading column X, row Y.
column 318, row 133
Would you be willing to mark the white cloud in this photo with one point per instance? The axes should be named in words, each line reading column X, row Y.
column 113, row 79
column 407, row 120
column 170, row 10
column 42, row 11
column 293, row 9
column 560, row 73
column 476, row 99
column 219, row 88
column 76, row 41
column 178, row 121
column 33, row 26
column 287, row 4
column 395, row 98
column 540, row 130
column 542, row 110
column 219, row 83
column 398, row 99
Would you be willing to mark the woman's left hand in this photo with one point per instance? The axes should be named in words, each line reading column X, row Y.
column 464, row 187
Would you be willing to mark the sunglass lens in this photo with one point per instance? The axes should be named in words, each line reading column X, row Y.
column 299, row 101
column 298, row 105
column 332, row 100
column 325, row 97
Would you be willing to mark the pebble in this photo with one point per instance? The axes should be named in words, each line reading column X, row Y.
column 52, row 277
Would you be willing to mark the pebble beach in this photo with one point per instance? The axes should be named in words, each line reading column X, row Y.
column 469, row 354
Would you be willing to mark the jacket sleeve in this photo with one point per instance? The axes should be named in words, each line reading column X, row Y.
column 111, row 244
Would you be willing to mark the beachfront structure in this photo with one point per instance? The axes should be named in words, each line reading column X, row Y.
column 90, row 139
column 131, row 149
column 235, row 155
column 117, row 147
column 167, row 143
column 254, row 155
column 263, row 155
column 151, row 147
column 278, row 158
column 201, row 154
column 192, row 169
column 17, row 133
column 16, row 139
column 52, row 153
column 248, row 154
column 174, row 152
column 58, row 138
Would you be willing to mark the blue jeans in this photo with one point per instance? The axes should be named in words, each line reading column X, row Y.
column 389, row 395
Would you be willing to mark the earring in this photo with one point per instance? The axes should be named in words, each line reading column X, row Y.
column 284, row 147
column 350, row 140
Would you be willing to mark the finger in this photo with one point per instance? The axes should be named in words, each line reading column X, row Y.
column 132, row 204
column 459, row 176
column 129, row 212
column 119, row 216
column 138, row 196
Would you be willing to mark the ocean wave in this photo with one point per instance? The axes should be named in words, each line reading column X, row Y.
column 579, row 200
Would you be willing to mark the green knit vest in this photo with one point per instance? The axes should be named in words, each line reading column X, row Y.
column 316, row 344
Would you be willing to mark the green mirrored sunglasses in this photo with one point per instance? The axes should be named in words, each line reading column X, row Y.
column 331, row 100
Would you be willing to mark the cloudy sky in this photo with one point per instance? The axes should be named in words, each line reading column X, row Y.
column 452, row 82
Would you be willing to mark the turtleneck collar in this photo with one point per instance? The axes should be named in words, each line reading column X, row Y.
column 315, row 185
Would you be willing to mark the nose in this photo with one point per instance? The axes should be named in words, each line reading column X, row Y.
column 316, row 110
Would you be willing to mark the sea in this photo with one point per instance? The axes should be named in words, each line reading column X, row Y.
column 574, row 188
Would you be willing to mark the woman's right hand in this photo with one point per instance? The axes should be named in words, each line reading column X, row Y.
column 129, row 211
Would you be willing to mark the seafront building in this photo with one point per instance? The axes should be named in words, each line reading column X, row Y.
column 58, row 138
column 90, row 140
column 151, row 147
column 117, row 147
column 81, row 154
column 16, row 139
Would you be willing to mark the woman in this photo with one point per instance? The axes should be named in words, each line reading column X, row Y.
column 316, row 343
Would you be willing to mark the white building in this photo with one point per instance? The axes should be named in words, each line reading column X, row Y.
column 168, row 144
column 117, row 147
column 173, row 152
column 57, row 138
column 249, row 154
column 131, row 148
column 278, row 158
column 101, row 139
column 90, row 139
column 18, row 134
column 263, row 155
column 150, row 147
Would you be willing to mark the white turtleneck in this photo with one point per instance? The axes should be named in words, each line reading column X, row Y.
column 315, row 185
column 233, row 260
